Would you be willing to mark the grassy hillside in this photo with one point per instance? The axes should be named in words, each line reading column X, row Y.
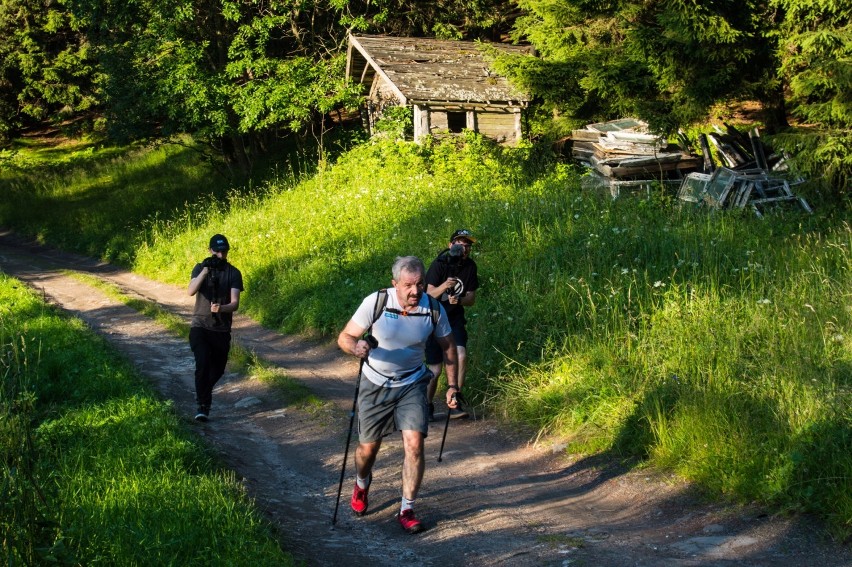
column 719, row 345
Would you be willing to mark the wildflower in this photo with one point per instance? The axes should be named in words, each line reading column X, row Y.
column 576, row 216
column 659, row 283
column 764, row 301
column 624, row 271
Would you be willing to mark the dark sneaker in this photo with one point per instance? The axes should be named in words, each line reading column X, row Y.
column 202, row 414
column 409, row 523
column 431, row 412
column 458, row 413
column 359, row 500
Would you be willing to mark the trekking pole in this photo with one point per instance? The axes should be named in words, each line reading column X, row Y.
column 371, row 340
column 458, row 397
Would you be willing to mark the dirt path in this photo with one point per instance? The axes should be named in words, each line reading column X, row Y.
column 494, row 500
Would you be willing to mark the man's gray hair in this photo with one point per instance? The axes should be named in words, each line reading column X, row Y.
column 410, row 264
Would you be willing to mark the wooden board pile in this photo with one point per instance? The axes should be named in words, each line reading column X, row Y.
column 624, row 150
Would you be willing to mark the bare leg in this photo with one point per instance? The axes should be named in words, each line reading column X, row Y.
column 365, row 457
column 414, row 465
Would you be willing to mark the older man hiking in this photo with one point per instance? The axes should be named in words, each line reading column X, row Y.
column 393, row 381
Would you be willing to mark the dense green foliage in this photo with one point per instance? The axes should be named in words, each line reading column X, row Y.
column 815, row 51
column 668, row 62
column 97, row 470
column 240, row 75
column 716, row 345
column 235, row 74
column 46, row 68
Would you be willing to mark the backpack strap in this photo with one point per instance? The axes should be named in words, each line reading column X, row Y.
column 435, row 307
column 382, row 301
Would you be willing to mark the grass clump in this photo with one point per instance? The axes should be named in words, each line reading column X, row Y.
column 95, row 468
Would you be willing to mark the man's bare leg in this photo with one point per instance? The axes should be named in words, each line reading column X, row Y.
column 413, row 464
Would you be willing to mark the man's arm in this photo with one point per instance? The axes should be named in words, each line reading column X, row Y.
column 195, row 283
column 466, row 300
column 228, row 307
column 448, row 345
column 349, row 340
column 438, row 291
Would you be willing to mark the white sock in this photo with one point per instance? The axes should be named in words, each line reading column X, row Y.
column 406, row 504
column 363, row 482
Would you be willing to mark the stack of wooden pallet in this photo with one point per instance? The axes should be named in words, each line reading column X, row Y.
column 623, row 149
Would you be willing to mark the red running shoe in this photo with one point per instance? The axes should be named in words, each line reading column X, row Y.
column 409, row 523
column 359, row 500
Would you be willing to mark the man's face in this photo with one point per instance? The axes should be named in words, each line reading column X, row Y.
column 221, row 253
column 409, row 288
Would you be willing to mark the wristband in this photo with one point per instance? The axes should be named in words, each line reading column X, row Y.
column 456, row 388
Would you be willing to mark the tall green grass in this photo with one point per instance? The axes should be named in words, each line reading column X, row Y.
column 714, row 344
column 95, row 468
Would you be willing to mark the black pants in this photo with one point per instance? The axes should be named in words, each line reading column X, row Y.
column 211, row 355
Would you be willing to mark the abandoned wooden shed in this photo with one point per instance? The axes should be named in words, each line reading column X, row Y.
column 448, row 84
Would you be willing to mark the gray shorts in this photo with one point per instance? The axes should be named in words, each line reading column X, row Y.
column 382, row 411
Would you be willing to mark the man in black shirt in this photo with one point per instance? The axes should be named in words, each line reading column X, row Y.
column 216, row 285
column 452, row 279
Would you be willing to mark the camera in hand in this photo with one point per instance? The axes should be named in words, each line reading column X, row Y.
column 454, row 258
column 456, row 254
column 214, row 263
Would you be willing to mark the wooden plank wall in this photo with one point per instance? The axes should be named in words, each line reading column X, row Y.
column 503, row 125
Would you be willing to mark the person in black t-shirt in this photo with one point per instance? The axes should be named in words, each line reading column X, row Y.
column 452, row 279
column 216, row 285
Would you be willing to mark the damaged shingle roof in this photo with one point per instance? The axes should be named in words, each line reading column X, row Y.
column 427, row 70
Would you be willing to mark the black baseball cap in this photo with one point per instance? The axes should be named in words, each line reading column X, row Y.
column 219, row 243
column 462, row 233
